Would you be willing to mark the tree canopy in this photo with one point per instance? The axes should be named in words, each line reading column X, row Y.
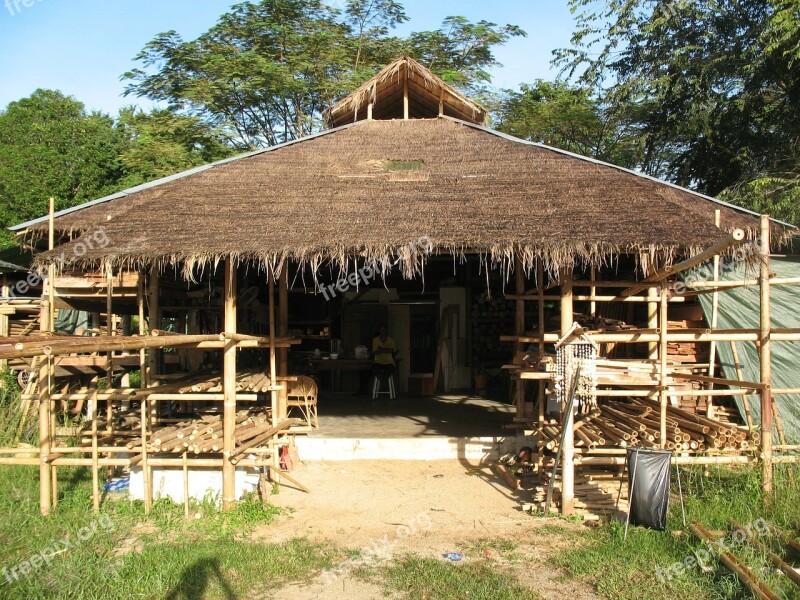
column 267, row 70
column 51, row 146
column 716, row 84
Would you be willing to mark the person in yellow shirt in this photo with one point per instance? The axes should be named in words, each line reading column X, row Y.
column 383, row 348
column 383, row 364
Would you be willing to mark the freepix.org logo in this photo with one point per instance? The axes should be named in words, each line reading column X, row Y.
column 15, row 6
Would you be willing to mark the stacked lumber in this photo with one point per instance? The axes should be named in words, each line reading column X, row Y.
column 598, row 494
column 636, row 422
column 688, row 352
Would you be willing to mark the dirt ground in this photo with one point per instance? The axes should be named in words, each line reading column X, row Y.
column 388, row 509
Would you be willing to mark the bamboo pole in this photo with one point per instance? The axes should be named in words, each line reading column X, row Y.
column 540, row 320
column 745, row 575
column 273, row 370
column 51, row 282
column 684, row 335
column 765, row 358
column 186, row 484
column 95, row 459
column 229, row 385
column 663, row 317
column 45, row 425
column 519, row 330
column 154, row 322
column 714, row 322
column 146, row 475
column 735, row 238
column 568, row 455
column 774, row 558
column 653, row 307
column 143, row 367
column 282, row 332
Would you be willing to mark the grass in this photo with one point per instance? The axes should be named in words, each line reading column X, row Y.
column 161, row 555
column 425, row 578
column 629, row 569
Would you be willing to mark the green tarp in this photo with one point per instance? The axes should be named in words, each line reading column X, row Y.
column 739, row 309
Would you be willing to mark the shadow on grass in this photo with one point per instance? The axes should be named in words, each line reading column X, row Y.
column 195, row 580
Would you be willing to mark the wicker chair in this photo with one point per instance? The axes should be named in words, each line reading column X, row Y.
column 302, row 395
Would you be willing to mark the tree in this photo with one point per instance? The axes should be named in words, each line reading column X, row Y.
column 162, row 143
column 267, row 70
column 716, row 82
column 568, row 117
column 51, row 146
column 461, row 52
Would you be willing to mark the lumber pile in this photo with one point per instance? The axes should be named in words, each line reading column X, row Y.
column 598, row 494
column 636, row 422
column 688, row 352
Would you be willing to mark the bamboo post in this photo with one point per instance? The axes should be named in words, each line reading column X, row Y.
column 229, row 389
column 153, row 322
column 663, row 321
column 277, row 417
column 765, row 358
column 51, row 314
column 4, row 325
column 714, row 321
column 143, row 367
column 95, row 459
column 45, row 442
column 109, row 355
column 653, row 307
column 540, row 322
column 519, row 331
column 740, row 375
column 283, row 331
column 146, row 478
column 568, row 456
column 186, row 484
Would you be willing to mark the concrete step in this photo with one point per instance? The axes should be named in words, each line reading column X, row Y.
column 473, row 449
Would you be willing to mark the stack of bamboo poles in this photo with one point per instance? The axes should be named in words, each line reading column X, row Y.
column 253, row 381
column 636, row 423
column 254, row 428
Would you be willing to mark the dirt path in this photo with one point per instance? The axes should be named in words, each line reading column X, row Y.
column 386, row 509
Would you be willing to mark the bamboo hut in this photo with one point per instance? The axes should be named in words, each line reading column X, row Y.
column 407, row 175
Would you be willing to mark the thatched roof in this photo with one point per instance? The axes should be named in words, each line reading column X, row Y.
column 372, row 190
column 429, row 97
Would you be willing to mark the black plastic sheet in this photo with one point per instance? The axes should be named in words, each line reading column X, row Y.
column 648, row 482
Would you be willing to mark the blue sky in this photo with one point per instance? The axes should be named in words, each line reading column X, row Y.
column 81, row 47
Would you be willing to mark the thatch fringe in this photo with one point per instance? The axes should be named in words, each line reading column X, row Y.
column 409, row 260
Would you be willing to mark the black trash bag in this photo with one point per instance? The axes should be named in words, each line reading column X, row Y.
column 648, row 480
